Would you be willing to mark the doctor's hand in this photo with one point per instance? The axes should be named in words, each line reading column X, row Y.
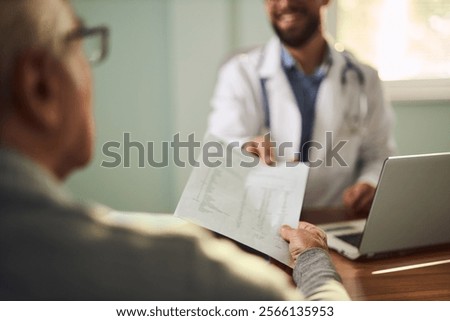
column 306, row 236
column 359, row 198
column 262, row 147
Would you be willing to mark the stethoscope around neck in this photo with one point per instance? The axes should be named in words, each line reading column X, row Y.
column 354, row 116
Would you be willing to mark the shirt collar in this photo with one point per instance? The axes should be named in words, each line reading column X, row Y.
column 288, row 62
column 20, row 171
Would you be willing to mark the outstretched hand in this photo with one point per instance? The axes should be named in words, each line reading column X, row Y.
column 262, row 147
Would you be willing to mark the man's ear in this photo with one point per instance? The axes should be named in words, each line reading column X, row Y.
column 36, row 88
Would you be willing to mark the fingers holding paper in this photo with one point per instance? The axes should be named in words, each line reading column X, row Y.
column 305, row 236
column 262, row 147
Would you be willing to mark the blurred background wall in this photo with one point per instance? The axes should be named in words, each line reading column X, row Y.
column 158, row 81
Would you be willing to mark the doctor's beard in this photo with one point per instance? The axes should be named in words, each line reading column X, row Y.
column 298, row 37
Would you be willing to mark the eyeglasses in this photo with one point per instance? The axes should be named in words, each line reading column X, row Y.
column 95, row 42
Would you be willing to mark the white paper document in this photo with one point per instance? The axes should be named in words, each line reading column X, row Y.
column 247, row 204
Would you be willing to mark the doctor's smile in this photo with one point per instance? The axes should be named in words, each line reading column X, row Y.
column 290, row 15
column 290, row 18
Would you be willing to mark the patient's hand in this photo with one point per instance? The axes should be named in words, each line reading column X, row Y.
column 359, row 198
column 304, row 237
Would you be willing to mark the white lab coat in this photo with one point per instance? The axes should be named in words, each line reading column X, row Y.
column 238, row 115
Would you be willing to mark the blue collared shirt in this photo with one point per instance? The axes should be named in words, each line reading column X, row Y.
column 305, row 89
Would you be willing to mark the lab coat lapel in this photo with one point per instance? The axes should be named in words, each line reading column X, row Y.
column 285, row 118
column 331, row 101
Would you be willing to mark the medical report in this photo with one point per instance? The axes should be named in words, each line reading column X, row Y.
column 247, row 204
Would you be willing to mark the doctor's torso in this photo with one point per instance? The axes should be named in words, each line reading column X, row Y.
column 343, row 111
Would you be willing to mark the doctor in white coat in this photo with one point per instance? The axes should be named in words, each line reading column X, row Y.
column 319, row 105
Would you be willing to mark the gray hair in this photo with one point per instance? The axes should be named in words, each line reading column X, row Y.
column 26, row 24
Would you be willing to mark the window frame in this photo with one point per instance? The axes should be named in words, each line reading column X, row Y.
column 401, row 90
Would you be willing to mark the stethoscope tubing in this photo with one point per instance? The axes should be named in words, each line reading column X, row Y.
column 356, row 122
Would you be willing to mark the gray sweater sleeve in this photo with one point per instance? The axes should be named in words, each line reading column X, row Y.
column 313, row 269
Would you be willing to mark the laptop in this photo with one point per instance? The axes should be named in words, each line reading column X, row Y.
column 411, row 210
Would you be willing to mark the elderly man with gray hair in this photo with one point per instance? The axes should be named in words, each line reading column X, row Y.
column 52, row 247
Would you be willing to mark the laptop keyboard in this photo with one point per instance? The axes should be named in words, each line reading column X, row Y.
column 354, row 239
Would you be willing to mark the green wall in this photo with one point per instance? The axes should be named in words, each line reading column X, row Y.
column 422, row 127
column 131, row 96
column 158, row 81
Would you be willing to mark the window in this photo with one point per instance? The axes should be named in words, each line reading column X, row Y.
column 408, row 41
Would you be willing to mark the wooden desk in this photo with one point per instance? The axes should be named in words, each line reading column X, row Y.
column 428, row 283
